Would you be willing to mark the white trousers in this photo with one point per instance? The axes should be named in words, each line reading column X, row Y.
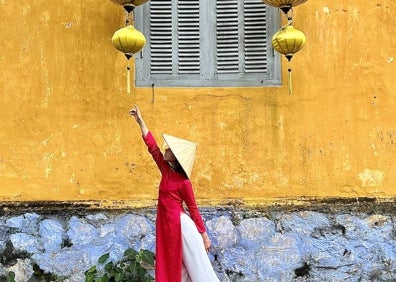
column 196, row 264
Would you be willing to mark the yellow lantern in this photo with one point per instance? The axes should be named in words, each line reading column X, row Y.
column 288, row 41
column 129, row 41
column 129, row 5
column 284, row 5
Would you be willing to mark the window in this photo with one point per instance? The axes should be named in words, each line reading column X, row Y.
column 207, row 43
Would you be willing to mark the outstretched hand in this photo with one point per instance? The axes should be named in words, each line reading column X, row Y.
column 135, row 112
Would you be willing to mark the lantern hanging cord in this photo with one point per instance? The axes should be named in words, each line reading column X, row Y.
column 289, row 23
column 289, row 19
column 130, row 16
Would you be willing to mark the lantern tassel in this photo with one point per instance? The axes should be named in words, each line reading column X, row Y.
column 290, row 82
column 128, row 74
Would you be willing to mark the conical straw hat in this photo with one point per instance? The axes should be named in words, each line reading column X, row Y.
column 183, row 150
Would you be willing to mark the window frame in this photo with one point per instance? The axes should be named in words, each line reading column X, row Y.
column 208, row 76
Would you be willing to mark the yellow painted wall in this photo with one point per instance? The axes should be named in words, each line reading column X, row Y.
column 66, row 135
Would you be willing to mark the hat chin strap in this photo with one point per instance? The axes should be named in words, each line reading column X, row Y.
column 173, row 165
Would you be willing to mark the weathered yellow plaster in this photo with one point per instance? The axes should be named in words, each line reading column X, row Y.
column 66, row 135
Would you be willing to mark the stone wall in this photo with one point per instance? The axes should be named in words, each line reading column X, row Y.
column 293, row 244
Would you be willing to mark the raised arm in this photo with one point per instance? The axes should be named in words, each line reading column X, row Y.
column 148, row 138
column 135, row 112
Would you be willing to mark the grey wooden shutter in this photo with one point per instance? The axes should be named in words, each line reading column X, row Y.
column 227, row 36
column 255, row 36
column 241, row 32
column 161, row 37
column 174, row 50
column 188, row 32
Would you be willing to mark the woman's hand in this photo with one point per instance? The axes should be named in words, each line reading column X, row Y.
column 206, row 241
column 135, row 112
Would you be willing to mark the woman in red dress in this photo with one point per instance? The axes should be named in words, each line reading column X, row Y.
column 181, row 240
